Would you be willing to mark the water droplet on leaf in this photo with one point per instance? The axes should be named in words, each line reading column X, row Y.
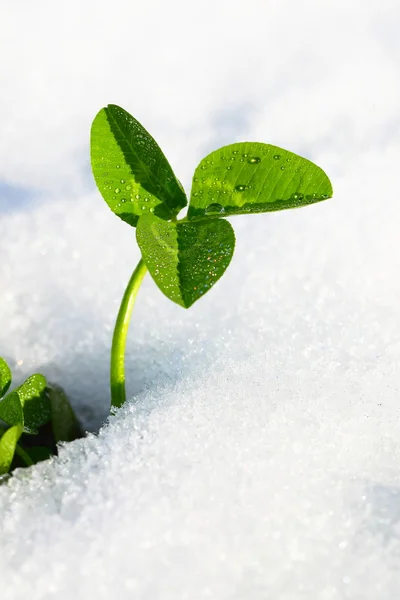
column 215, row 209
column 277, row 156
column 240, row 188
column 254, row 160
column 297, row 196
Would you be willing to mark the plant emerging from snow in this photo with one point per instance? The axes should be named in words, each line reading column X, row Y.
column 34, row 417
column 185, row 257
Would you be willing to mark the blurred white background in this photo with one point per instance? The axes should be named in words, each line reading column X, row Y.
column 318, row 77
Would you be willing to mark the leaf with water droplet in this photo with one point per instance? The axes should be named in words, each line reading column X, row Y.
column 185, row 259
column 27, row 405
column 127, row 152
column 260, row 184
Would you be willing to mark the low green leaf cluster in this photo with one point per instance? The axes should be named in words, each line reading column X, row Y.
column 34, row 417
column 186, row 258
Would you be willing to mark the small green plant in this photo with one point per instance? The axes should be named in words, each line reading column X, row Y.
column 187, row 257
column 34, row 417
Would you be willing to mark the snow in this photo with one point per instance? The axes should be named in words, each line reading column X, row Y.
column 259, row 454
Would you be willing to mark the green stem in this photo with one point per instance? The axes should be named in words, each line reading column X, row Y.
column 117, row 371
column 23, row 455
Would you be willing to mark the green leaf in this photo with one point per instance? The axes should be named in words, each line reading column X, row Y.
column 65, row 425
column 27, row 405
column 8, row 443
column 5, row 377
column 250, row 177
column 185, row 259
column 130, row 170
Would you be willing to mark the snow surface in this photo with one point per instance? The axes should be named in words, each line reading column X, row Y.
column 259, row 457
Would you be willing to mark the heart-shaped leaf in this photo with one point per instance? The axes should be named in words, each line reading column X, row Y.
column 130, row 170
column 5, row 377
column 27, row 405
column 250, row 177
column 8, row 444
column 65, row 425
column 185, row 259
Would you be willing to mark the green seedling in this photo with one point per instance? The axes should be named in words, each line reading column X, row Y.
column 186, row 257
column 34, row 417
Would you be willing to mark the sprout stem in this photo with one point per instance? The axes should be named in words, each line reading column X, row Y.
column 117, row 371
